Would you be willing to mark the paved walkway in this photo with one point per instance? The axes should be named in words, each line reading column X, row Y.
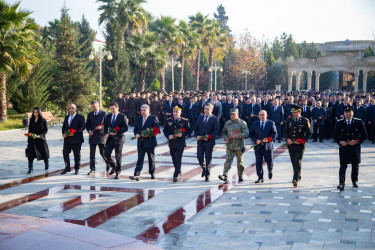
column 194, row 214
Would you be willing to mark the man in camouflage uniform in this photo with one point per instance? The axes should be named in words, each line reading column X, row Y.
column 234, row 132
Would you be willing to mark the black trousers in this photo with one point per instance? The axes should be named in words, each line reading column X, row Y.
column 296, row 156
column 176, row 154
column 132, row 121
column 118, row 155
column 92, row 154
column 278, row 129
column 321, row 131
column 141, row 156
column 76, row 148
column 205, row 152
column 342, row 172
column 259, row 156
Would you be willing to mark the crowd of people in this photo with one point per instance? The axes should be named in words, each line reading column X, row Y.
column 264, row 116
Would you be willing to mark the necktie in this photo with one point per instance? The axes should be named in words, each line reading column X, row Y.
column 143, row 122
column 262, row 127
column 252, row 108
column 70, row 120
column 113, row 120
column 205, row 121
column 348, row 123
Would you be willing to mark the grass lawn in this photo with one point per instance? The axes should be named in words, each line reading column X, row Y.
column 14, row 120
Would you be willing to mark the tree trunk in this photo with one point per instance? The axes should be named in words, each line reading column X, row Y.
column 197, row 68
column 182, row 61
column 162, row 76
column 142, row 81
column 210, row 59
column 3, row 104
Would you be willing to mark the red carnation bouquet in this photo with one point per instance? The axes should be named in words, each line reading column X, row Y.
column 301, row 141
column 69, row 132
column 33, row 136
column 178, row 131
column 208, row 137
column 148, row 132
column 114, row 130
column 269, row 139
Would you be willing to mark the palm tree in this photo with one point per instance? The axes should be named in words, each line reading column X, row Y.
column 188, row 41
column 201, row 25
column 144, row 50
column 217, row 38
column 131, row 14
column 166, row 30
column 17, row 47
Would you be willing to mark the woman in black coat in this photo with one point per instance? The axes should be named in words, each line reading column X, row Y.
column 37, row 147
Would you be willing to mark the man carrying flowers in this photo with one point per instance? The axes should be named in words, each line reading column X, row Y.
column 176, row 129
column 263, row 132
column 297, row 131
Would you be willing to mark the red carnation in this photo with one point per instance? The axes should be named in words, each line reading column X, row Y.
column 73, row 131
column 183, row 130
column 156, row 130
column 235, row 132
column 209, row 137
column 27, row 134
column 357, row 140
column 101, row 125
column 301, row 141
column 269, row 139
column 117, row 128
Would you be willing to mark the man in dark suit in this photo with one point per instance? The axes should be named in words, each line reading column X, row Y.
column 236, row 105
column 168, row 107
column 341, row 107
column 73, row 141
column 227, row 106
column 191, row 110
column 266, row 104
column 94, row 126
column 115, row 126
column 260, row 131
column 318, row 116
column 176, row 140
column 252, row 110
column 349, row 133
column 360, row 111
column 145, row 144
column 306, row 111
column 207, row 127
column 201, row 105
column 277, row 116
column 131, row 109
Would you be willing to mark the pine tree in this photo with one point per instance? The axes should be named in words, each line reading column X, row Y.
column 87, row 36
column 222, row 18
column 71, row 81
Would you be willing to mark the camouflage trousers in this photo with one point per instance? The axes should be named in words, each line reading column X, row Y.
column 240, row 164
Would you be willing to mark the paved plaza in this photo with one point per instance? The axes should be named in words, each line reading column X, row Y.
column 191, row 214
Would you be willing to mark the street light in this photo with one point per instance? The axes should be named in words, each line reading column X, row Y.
column 173, row 63
column 215, row 68
column 101, row 53
column 246, row 72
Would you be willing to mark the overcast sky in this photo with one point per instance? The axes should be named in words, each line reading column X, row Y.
column 311, row 21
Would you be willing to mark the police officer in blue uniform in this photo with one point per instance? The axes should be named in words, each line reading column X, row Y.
column 177, row 141
column 349, row 133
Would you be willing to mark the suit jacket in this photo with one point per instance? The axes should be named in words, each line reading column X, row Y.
column 278, row 115
column 307, row 114
column 317, row 113
column 250, row 110
column 226, row 110
column 212, row 127
column 268, row 131
column 168, row 108
column 360, row 113
column 240, row 110
column 92, row 122
column 266, row 106
column 343, row 132
column 146, row 142
column 371, row 114
column 78, row 123
column 119, row 122
column 201, row 107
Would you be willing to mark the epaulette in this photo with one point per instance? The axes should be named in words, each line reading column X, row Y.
column 340, row 120
column 183, row 118
column 170, row 118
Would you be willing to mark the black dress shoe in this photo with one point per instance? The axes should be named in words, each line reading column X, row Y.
column 294, row 183
column 30, row 170
column 341, row 187
column 135, row 178
column 270, row 175
column 112, row 171
column 314, row 140
column 175, row 179
column 76, row 172
column 355, row 185
column 223, row 177
column 240, row 179
column 46, row 167
column 91, row 172
column 65, row 171
column 117, row 177
column 153, row 176
column 207, row 178
column 202, row 175
column 259, row 181
column 321, row 141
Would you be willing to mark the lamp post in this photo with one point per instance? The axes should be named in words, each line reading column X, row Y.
column 101, row 53
column 246, row 72
column 215, row 68
column 173, row 63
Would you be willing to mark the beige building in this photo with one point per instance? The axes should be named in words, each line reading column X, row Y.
column 344, row 59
